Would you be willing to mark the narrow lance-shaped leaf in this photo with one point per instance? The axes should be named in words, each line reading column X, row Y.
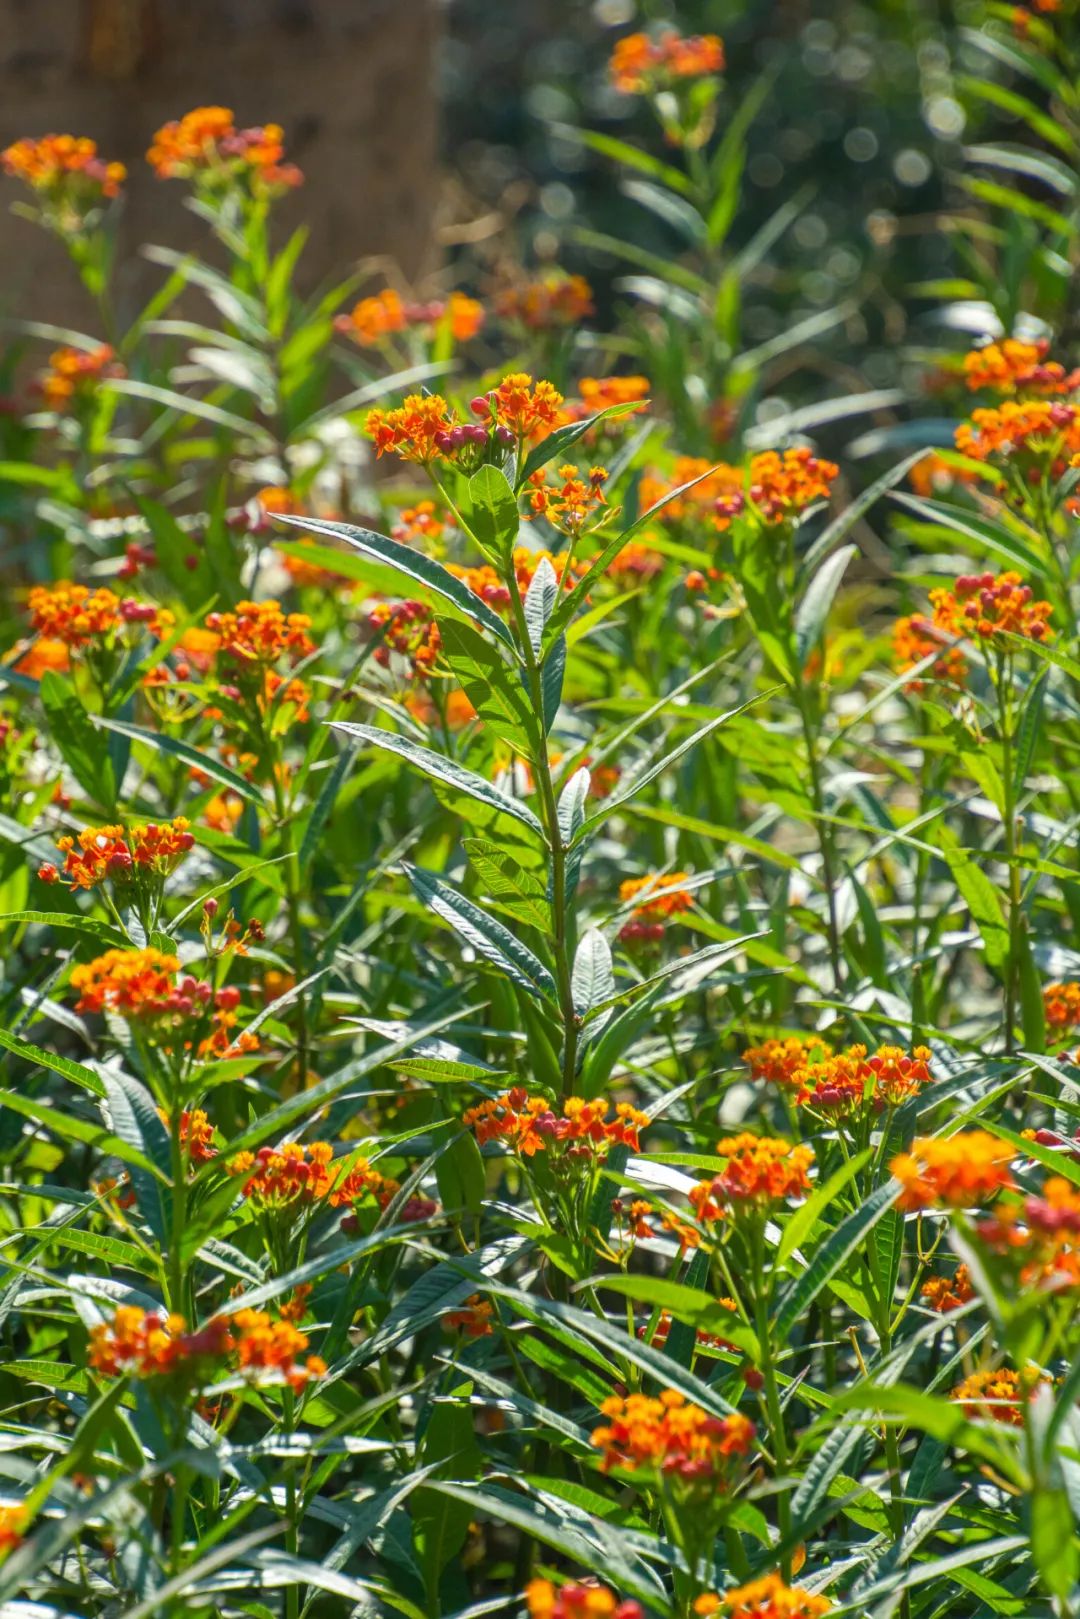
column 483, row 933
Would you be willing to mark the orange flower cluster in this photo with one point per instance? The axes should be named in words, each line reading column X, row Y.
column 840, row 1084
column 639, row 64
column 760, row 1171
column 142, row 984
column 74, row 374
column 1015, row 367
column 418, row 430
column 578, row 1600
column 1033, row 428
column 767, row 1598
column 635, row 564
column 952, row 1172
column 718, row 494
column 409, row 629
column 487, row 584
column 1042, row 1234
column 106, row 852
column 781, row 486
column 206, row 145
column 778, row 1061
column 261, row 632
column 147, row 1343
column 569, row 505
column 528, row 409
column 528, row 1125
column 945, row 1293
column 474, row 1319
column 550, row 301
column 286, row 1177
column 78, row 616
column 12, row 1528
column 670, row 1436
column 598, row 393
column 1062, row 1005
column 423, row 521
column 371, row 321
column 916, row 638
column 657, row 896
column 982, row 605
column 196, row 1135
column 66, row 164
column 999, row 1395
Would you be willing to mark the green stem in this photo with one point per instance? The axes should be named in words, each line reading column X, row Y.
column 777, row 1433
column 824, row 832
column 1012, row 966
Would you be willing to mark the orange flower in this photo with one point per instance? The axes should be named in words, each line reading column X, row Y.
column 418, row 430
column 783, row 486
column 840, row 1084
column 80, row 617
column 286, row 1177
column 261, row 632
column 768, row 1598
column 371, row 321
column 225, row 811
column 206, row 145
column 423, row 521
column 106, row 852
column 196, row 1135
column 598, row 393
column 635, row 564
column 464, row 315
column 1042, row 1233
column 552, row 300
column 1015, row 367
column 1062, row 1004
column 569, row 506
column 657, row 895
column 671, row 1437
column 778, row 1060
column 981, row 605
column 952, row 1172
column 409, row 629
column 44, row 654
column 579, row 1600
column 528, row 409
column 1000, row 1396
column 916, row 638
column 1032, row 428
column 474, row 1320
column 74, row 374
column 528, row 1125
column 133, row 983
column 148, row 1343
column 945, row 1293
column 374, row 319
column 264, row 1345
column 639, row 64
column 13, row 1523
column 717, row 495
column 760, row 1170
column 64, row 165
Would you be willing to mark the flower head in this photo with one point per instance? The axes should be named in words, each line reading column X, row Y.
column 206, row 146
column 149, row 1343
column 375, row 319
column 570, row 503
column 264, row 1345
column 67, row 174
column 548, row 302
column 1062, row 1005
column 842, row 1082
column 768, row 1598
column 778, row 1061
column 945, row 1293
column 103, row 853
column 584, row 1599
column 1027, row 429
column 916, row 638
column 418, row 430
column 291, row 1176
column 671, row 1437
column 641, row 64
column 952, row 1172
column 528, row 1125
column 999, row 1396
column 73, row 375
column 760, row 1170
column 782, row 485
column 80, row 617
column 528, row 409
column 1013, row 366
column 408, row 629
column 982, row 605
column 473, row 1319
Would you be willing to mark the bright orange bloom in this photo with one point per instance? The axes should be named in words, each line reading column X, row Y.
column 1029, row 427
column 639, row 63
column 578, row 1600
column 225, row 811
column 423, row 521
column 777, row 1061
column 43, row 654
column 999, row 1396
column 635, row 564
column 74, row 374
column 598, row 393
column 264, row 1345
column 1040, row 1233
column 133, row 983
column 552, row 300
column 474, row 1319
column 13, row 1522
column 657, row 895
column 286, row 1177
column 206, row 145
column 1062, row 1004
column 409, row 629
column 148, row 1343
column 528, row 409
column 261, row 632
column 196, row 1135
column 108, row 852
column 760, row 1170
column 80, row 617
column 952, row 1172
column 782, row 486
column 64, row 164
column 981, row 605
column 568, row 506
column 374, row 319
column 528, row 1125
column 840, row 1084
column 418, row 430
column 718, row 494
column 915, row 638
column 767, row 1598
column 945, row 1293
column 1015, row 367
column 671, row 1437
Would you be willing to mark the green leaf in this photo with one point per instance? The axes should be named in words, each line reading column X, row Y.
column 813, row 611
column 483, row 933
column 442, row 769
column 514, row 889
column 459, row 1172
column 558, row 442
column 491, row 687
column 72, row 730
column 981, row 898
column 593, row 978
column 450, row 1449
column 413, row 564
column 797, row 1299
column 182, row 750
column 135, row 1119
column 48, row 1059
column 1027, row 556
column 493, row 513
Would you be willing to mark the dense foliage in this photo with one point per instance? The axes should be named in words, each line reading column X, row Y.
column 541, row 906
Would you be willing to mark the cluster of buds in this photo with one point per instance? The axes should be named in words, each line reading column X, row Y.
column 579, row 1599
column 1035, row 432
column 1037, row 1236
column 916, row 638
column 1017, row 367
column 653, row 900
column 143, row 854
column 946, row 1293
column 778, row 1060
column 767, row 1598
column 600, row 393
column 68, row 177
column 998, row 1395
column 473, row 1319
column 206, row 146
column 73, row 375
column 528, row 1125
column 761, row 1172
column 82, row 618
column 641, row 65
column 372, row 321
column 1061, row 1003
column 983, row 605
column 407, row 629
